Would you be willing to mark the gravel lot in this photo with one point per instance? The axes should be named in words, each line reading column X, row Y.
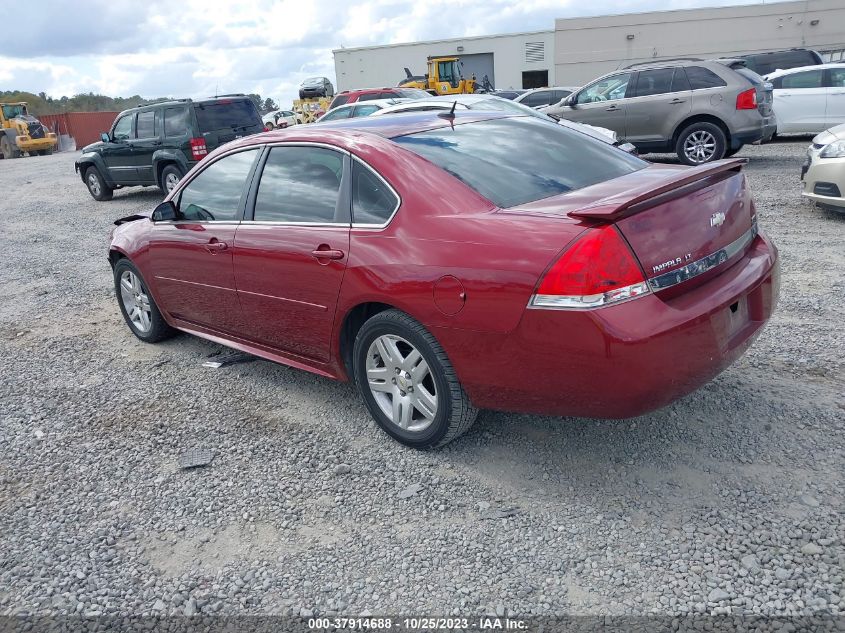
column 730, row 501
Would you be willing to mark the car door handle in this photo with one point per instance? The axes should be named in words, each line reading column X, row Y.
column 216, row 247
column 612, row 108
column 676, row 101
column 327, row 253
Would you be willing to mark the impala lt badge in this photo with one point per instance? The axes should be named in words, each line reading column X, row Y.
column 717, row 219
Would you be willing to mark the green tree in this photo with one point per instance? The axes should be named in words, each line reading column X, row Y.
column 269, row 106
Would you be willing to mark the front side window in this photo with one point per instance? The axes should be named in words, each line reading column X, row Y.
column 701, row 78
column 607, row 89
column 300, row 184
column 807, row 79
column 175, row 121
column 123, row 128
column 654, row 82
column 334, row 115
column 146, row 125
column 215, row 194
column 513, row 161
column 339, row 101
column 372, row 200
column 364, row 110
column 370, row 96
column 446, row 71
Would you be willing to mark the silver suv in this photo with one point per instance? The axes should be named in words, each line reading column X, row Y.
column 701, row 110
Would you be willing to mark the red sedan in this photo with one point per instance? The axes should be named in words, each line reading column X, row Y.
column 450, row 262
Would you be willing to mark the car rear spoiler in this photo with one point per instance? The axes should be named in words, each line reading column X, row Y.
column 661, row 189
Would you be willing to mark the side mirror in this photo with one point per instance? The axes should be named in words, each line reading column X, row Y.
column 164, row 212
column 570, row 100
column 104, row 137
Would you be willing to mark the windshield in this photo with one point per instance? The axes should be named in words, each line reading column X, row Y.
column 12, row 111
column 503, row 105
column 412, row 93
column 518, row 160
column 235, row 115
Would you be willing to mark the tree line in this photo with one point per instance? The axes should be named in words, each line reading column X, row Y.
column 42, row 103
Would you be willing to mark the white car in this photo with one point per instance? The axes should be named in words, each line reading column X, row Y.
column 808, row 99
column 542, row 97
column 359, row 108
column 280, row 119
column 491, row 102
column 823, row 172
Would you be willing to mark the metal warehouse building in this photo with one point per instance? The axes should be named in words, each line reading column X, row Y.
column 579, row 49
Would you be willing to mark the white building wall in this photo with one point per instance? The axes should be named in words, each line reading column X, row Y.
column 588, row 47
column 377, row 66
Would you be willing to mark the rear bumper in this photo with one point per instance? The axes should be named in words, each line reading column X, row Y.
column 624, row 360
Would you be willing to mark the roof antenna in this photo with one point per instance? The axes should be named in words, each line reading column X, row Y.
column 450, row 114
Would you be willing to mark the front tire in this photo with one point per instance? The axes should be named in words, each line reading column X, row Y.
column 97, row 187
column 407, row 382
column 8, row 149
column 700, row 143
column 137, row 305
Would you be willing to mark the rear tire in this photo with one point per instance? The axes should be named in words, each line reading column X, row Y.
column 269, row 125
column 700, row 143
column 97, row 187
column 403, row 374
column 137, row 305
column 170, row 177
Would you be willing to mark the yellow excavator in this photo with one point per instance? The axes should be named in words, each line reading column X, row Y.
column 21, row 132
column 444, row 77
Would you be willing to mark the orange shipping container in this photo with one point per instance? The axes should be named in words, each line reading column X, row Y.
column 84, row 127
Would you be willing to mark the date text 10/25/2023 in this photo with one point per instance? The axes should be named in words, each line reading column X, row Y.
column 484, row 623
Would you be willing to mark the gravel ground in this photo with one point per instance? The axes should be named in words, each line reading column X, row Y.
column 729, row 501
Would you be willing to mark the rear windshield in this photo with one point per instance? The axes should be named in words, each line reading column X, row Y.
column 750, row 75
column 766, row 63
column 222, row 115
column 518, row 160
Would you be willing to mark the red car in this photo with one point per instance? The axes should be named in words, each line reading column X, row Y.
column 371, row 94
column 450, row 262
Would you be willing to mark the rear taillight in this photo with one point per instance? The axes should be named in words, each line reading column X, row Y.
column 599, row 269
column 747, row 100
column 266, row 129
column 198, row 148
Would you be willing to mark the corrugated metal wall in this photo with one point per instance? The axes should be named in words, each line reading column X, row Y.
column 84, row 127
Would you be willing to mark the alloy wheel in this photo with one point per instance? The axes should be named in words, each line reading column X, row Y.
column 170, row 181
column 700, row 146
column 401, row 383
column 135, row 301
column 94, row 184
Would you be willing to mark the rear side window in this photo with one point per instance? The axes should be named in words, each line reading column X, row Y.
column 370, row 96
column 299, row 184
column 700, row 78
column 175, row 121
column 145, row 126
column 654, row 82
column 227, row 115
column 386, row 95
column 372, row 200
column 517, row 160
column 837, row 77
column 806, row 79
column 215, row 194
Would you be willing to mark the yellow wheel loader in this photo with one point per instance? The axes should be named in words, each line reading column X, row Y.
column 444, row 77
column 20, row 132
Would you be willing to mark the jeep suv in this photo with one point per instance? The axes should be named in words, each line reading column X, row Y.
column 157, row 144
column 700, row 110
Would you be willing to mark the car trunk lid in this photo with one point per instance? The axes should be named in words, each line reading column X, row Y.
column 684, row 226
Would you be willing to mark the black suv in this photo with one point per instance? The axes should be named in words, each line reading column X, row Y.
column 157, row 144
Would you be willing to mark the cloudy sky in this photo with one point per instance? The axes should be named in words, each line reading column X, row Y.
column 194, row 48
